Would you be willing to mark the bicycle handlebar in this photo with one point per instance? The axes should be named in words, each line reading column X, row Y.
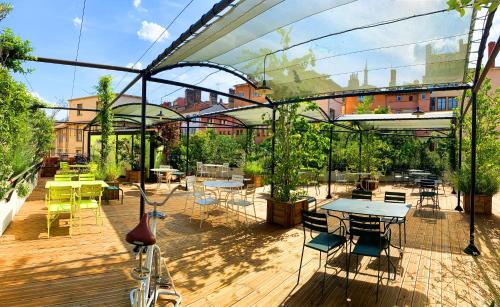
column 147, row 200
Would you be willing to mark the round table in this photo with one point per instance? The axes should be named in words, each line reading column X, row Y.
column 223, row 184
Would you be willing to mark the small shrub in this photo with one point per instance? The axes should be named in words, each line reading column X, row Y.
column 23, row 189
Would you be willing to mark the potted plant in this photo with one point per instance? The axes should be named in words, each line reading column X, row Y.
column 487, row 152
column 285, row 204
column 110, row 174
column 487, row 185
column 134, row 174
column 254, row 170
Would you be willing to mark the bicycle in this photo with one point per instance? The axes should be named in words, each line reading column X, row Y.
column 152, row 280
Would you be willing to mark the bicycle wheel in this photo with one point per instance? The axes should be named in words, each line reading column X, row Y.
column 155, row 275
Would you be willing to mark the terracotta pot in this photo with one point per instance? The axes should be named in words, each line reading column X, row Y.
column 482, row 204
column 257, row 180
column 285, row 214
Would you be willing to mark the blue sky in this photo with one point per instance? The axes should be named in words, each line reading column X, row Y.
column 114, row 32
column 118, row 32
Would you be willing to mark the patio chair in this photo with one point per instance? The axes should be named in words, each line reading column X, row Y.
column 166, row 178
column 372, row 240
column 396, row 197
column 202, row 199
column 340, row 178
column 201, row 170
column 86, row 177
column 428, row 191
column 224, row 172
column 361, row 194
column 397, row 177
column 63, row 177
column 190, row 181
column 59, row 200
column 321, row 239
column 239, row 178
column 244, row 200
column 89, row 198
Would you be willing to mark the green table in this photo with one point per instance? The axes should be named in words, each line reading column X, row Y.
column 73, row 184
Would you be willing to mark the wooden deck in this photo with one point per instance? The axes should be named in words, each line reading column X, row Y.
column 227, row 263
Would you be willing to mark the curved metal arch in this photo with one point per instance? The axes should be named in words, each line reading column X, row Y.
column 219, row 115
column 233, row 71
column 150, row 104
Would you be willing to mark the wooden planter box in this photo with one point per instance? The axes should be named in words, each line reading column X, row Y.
column 285, row 214
column 112, row 194
column 134, row 176
column 482, row 204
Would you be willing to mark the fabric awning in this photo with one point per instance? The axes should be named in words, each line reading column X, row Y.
column 400, row 121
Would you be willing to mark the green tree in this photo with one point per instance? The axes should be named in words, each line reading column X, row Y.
column 458, row 5
column 14, row 51
column 105, row 96
column 5, row 9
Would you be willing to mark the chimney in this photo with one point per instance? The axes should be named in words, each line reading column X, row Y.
column 491, row 46
column 393, row 78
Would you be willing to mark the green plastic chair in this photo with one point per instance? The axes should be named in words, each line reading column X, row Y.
column 63, row 177
column 86, row 177
column 59, row 200
column 89, row 198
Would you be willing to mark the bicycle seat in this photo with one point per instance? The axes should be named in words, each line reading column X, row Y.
column 141, row 235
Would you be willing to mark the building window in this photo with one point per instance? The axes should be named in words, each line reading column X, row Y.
column 360, row 98
column 398, row 98
column 441, row 103
column 452, row 103
column 241, row 94
column 255, row 94
column 78, row 151
column 79, row 135
column 410, row 98
column 424, row 96
column 79, row 112
column 433, row 104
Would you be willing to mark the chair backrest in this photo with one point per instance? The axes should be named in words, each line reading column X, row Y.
column 198, row 190
column 190, row 180
column 64, row 165
column 62, row 177
column 395, row 197
column 339, row 175
column 60, row 193
column 86, row 177
column 90, row 190
column 361, row 194
column 199, row 166
column 364, row 226
column 250, row 192
column 314, row 221
column 164, row 166
column 237, row 178
column 433, row 177
column 427, row 184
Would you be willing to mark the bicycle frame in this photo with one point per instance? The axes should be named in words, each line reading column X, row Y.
column 140, row 296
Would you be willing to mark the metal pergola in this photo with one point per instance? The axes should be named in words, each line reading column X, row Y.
column 233, row 13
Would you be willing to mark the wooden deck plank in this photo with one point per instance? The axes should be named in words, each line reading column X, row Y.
column 226, row 263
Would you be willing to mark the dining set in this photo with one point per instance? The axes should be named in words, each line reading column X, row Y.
column 229, row 195
column 70, row 195
column 361, row 227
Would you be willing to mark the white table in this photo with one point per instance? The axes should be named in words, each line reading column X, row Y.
column 158, row 171
column 223, row 184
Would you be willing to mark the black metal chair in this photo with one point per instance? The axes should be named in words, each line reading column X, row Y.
column 361, row 194
column 428, row 190
column 372, row 240
column 396, row 197
column 321, row 240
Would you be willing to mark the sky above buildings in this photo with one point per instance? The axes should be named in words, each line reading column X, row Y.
column 120, row 32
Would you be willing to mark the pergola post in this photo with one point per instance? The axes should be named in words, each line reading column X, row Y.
column 116, row 149
column 273, row 144
column 471, row 249
column 132, row 147
column 360, row 142
column 152, row 149
column 143, row 143
column 329, row 196
column 459, row 162
column 187, row 151
column 89, row 141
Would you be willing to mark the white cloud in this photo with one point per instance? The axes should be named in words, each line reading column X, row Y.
column 137, row 65
column 137, row 3
column 151, row 32
column 77, row 22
